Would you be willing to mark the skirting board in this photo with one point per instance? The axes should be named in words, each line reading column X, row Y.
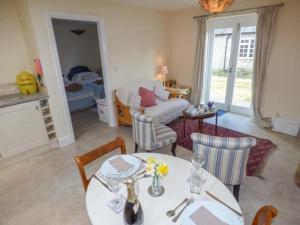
column 66, row 140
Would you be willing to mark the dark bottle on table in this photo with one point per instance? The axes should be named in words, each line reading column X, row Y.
column 133, row 212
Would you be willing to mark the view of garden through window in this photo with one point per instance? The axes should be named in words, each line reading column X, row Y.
column 244, row 69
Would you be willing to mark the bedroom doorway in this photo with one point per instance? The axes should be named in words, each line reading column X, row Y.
column 81, row 62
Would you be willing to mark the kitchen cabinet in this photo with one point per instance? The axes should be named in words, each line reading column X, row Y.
column 22, row 128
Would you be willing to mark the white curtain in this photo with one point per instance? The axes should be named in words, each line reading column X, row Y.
column 264, row 38
column 198, row 72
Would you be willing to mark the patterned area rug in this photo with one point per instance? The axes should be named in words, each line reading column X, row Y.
column 258, row 154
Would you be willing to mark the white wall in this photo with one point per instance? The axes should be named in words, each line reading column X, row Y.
column 281, row 90
column 77, row 50
column 13, row 54
column 136, row 43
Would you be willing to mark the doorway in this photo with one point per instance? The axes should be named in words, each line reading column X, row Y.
column 98, row 22
column 230, row 59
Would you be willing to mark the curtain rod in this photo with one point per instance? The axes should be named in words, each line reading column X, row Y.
column 240, row 10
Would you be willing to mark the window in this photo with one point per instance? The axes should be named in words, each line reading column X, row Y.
column 247, row 47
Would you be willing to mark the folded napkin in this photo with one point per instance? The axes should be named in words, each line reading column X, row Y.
column 204, row 217
column 120, row 164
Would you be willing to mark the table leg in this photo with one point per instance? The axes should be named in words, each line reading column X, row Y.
column 183, row 126
column 216, row 127
column 200, row 123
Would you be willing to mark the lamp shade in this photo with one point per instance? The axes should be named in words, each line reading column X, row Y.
column 215, row 6
column 164, row 70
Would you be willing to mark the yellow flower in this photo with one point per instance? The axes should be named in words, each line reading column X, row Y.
column 149, row 169
column 162, row 169
column 151, row 160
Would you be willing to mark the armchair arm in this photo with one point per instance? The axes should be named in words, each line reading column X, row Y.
column 223, row 142
column 123, row 114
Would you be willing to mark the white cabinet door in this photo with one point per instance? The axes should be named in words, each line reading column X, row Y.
column 21, row 128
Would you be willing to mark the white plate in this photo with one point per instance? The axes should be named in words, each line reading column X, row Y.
column 220, row 211
column 106, row 167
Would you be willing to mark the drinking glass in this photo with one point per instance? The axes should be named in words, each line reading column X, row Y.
column 197, row 160
column 195, row 181
column 114, row 181
column 136, row 179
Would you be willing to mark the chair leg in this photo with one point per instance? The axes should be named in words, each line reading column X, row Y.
column 136, row 148
column 173, row 149
column 236, row 192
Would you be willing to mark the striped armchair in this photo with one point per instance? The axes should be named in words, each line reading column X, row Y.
column 150, row 136
column 226, row 158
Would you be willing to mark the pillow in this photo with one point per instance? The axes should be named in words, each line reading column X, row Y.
column 134, row 100
column 66, row 81
column 73, row 87
column 86, row 77
column 77, row 69
column 161, row 93
column 148, row 97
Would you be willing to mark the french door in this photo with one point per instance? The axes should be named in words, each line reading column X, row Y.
column 230, row 58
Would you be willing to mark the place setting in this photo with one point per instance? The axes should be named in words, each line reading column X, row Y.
column 115, row 171
column 199, row 209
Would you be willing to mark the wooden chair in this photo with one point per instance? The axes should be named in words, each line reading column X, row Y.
column 87, row 158
column 265, row 215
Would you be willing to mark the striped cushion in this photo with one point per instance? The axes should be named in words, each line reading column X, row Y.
column 148, row 135
column 226, row 158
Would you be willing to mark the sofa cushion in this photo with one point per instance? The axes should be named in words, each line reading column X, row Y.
column 161, row 93
column 135, row 100
column 123, row 92
column 166, row 111
column 148, row 97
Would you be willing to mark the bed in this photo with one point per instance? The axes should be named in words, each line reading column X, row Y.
column 92, row 88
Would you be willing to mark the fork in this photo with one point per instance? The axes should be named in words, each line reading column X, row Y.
column 190, row 201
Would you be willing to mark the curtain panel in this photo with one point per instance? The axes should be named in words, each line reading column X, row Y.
column 265, row 32
column 198, row 71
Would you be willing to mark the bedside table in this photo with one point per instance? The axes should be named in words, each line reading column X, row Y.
column 179, row 92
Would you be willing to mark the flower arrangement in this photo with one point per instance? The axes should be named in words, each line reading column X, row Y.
column 156, row 167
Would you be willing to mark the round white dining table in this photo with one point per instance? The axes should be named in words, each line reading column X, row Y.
column 176, row 189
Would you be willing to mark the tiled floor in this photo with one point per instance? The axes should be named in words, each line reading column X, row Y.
column 47, row 189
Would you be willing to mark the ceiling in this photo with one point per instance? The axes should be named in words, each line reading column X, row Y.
column 164, row 5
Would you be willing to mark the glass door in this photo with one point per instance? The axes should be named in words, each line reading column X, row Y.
column 230, row 57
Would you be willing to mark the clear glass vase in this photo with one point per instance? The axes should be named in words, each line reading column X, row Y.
column 156, row 189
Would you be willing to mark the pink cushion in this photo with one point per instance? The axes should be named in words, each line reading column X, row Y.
column 148, row 97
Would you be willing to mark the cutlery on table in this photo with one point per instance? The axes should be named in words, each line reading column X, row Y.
column 104, row 184
column 223, row 203
column 143, row 160
column 171, row 213
column 144, row 176
column 190, row 201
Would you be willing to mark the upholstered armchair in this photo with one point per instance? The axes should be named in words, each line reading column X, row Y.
column 150, row 136
column 225, row 158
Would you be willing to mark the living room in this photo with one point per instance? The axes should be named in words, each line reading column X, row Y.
column 147, row 44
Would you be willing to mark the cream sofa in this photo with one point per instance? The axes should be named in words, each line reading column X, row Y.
column 164, row 112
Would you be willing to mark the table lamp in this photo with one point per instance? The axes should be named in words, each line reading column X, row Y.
column 164, row 72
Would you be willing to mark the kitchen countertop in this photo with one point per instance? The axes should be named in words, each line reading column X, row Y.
column 14, row 99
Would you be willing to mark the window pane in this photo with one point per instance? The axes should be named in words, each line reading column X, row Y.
column 244, row 72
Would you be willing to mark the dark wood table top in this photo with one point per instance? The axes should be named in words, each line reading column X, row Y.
column 203, row 115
